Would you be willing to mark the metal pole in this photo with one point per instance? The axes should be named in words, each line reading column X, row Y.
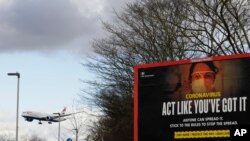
column 59, row 125
column 59, row 128
column 76, row 133
column 17, row 109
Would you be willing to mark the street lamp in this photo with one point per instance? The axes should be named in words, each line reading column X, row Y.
column 76, row 133
column 59, row 126
column 17, row 109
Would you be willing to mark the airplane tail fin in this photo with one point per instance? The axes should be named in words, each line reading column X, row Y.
column 63, row 111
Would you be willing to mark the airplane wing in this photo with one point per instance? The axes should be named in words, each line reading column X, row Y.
column 64, row 115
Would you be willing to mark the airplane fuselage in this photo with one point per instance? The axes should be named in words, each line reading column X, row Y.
column 30, row 116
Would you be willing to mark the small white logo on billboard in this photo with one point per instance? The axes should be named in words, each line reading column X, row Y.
column 142, row 74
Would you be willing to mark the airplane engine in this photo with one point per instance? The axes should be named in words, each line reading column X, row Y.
column 29, row 119
column 49, row 118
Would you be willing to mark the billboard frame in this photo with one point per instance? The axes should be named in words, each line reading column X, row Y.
column 169, row 63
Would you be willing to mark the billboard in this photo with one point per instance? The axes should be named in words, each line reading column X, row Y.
column 199, row 99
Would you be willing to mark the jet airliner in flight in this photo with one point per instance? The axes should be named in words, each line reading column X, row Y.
column 56, row 117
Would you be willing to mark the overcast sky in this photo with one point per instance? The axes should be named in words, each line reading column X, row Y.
column 46, row 41
column 47, row 25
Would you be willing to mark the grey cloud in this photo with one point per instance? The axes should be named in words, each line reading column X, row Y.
column 53, row 25
column 43, row 24
column 111, row 5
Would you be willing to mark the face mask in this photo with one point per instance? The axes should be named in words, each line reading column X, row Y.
column 198, row 86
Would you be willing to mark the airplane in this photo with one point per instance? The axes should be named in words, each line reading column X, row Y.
column 56, row 117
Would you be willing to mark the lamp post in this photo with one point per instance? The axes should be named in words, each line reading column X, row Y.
column 17, row 107
column 59, row 126
column 76, row 133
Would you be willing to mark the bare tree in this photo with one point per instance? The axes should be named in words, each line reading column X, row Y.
column 217, row 27
column 78, row 124
column 36, row 138
column 152, row 31
column 141, row 34
column 7, row 137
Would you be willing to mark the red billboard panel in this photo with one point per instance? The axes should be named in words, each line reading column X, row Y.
column 199, row 99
